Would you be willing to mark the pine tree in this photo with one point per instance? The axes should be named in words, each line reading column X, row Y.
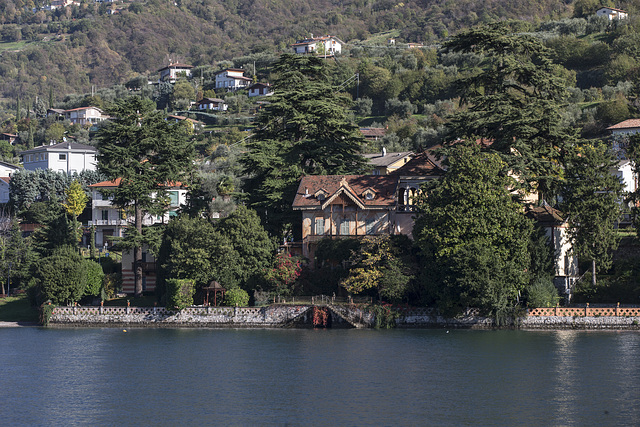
column 144, row 151
column 592, row 198
column 514, row 102
column 304, row 130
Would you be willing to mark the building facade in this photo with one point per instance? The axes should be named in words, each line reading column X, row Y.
column 67, row 157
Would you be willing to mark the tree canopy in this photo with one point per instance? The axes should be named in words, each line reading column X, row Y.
column 305, row 130
column 143, row 153
column 474, row 235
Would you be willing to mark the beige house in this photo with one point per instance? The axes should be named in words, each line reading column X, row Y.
column 323, row 45
column 348, row 206
column 85, row 116
column 384, row 163
column 556, row 229
column 232, row 79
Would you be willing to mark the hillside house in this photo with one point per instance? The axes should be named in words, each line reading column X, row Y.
column 384, row 163
column 323, row 45
column 111, row 221
column 611, row 13
column 556, row 230
column 172, row 72
column 67, row 157
column 260, row 89
column 85, row 116
column 348, row 206
column 373, row 134
column 232, row 79
column 9, row 137
column 215, row 104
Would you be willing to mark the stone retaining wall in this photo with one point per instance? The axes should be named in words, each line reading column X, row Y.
column 277, row 316
column 272, row 316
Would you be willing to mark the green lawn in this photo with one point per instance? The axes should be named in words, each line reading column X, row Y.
column 17, row 309
column 13, row 45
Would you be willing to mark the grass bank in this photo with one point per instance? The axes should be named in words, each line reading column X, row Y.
column 17, row 309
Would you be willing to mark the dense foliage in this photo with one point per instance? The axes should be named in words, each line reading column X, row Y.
column 473, row 235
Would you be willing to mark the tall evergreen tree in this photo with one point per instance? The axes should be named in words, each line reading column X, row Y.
column 514, row 101
column 143, row 152
column 592, row 198
column 474, row 234
column 304, row 130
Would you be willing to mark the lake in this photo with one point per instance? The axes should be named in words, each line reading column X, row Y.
column 318, row 377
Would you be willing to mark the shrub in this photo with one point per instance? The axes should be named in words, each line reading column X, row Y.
column 180, row 293
column 62, row 276
column 95, row 277
column 542, row 293
column 236, row 297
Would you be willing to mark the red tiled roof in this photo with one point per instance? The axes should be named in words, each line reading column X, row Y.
column 116, row 183
column 384, row 187
column 373, row 132
column 5, row 178
column 627, row 124
column 546, row 215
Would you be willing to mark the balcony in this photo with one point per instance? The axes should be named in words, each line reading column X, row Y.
column 99, row 222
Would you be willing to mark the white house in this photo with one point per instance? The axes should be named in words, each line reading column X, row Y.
column 7, row 169
column 260, row 89
column 4, row 189
column 232, row 79
column 85, row 115
column 212, row 104
column 111, row 221
column 556, row 229
column 611, row 13
column 323, row 45
column 171, row 72
column 68, row 157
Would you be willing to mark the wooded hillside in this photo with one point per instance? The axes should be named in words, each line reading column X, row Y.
column 70, row 49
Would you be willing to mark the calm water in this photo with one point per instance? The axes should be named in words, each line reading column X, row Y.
column 318, row 377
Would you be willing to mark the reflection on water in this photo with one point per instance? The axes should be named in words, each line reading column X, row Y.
column 318, row 377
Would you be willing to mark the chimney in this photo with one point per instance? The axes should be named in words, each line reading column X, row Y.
column 384, row 151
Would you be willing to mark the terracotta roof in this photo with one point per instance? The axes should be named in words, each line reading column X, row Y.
column 116, row 182
column 424, row 164
column 378, row 159
column 83, row 108
column 545, row 214
column 373, row 132
column 627, row 124
column 5, row 178
column 611, row 8
column 352, row 186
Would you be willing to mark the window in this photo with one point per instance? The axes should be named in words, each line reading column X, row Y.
column 370, row 226
column 345, row 225
column 319, row 226
column 62, row 156
column 174, row 199
column 105, row 215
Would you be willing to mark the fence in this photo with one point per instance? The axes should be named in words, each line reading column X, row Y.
column 585, row 311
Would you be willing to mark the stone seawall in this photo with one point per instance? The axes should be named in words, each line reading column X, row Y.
column 269, row 317
column 282, row 316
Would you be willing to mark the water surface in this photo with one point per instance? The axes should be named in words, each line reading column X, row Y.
column 318, row 377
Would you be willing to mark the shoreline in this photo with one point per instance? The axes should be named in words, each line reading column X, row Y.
column 311, row 316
